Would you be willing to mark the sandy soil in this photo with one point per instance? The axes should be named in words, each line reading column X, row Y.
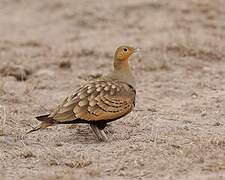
column 177, row 130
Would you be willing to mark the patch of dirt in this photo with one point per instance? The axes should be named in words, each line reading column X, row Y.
column 20, row 72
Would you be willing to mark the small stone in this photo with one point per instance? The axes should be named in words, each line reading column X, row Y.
column 65, row 65
column 59, row 144
column 217, row 124
column 27, row 154
column 194, row 95
column 203, row 114
column 53, row 162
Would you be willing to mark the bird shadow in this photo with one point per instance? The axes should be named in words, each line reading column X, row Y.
column 73, row 134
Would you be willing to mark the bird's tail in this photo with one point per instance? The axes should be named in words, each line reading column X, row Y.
column 45, row 122
column 44, row 118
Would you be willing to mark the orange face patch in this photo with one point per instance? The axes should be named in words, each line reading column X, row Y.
column 123, row 52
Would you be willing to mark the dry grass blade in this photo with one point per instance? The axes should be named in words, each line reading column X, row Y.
column 3, row 118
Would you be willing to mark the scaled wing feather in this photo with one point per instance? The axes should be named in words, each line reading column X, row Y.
column 97, row 101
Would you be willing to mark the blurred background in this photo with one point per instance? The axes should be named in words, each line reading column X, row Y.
column 48, row 48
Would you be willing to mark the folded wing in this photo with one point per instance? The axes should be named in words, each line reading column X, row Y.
column 97, row 101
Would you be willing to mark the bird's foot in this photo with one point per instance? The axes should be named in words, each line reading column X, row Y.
column 99, row 133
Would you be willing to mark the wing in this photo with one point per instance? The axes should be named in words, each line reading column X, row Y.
column 97, row 101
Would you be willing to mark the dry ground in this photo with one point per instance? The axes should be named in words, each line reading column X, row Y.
column 177, row 130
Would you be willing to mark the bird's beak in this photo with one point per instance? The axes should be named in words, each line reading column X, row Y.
column 137, row 50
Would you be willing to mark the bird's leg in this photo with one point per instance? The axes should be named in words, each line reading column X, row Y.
column 99, row 133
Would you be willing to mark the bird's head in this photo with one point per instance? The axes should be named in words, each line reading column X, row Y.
column 123, row 52
column 121, row 56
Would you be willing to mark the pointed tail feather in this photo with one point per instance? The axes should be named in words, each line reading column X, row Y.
column 45, row 122
column 43, row 125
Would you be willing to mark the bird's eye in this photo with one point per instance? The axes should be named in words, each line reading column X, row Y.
column 125, row 49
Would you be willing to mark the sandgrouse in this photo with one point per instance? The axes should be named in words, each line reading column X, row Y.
column 99, row 102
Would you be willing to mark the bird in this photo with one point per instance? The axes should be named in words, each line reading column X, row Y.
column 98, row 102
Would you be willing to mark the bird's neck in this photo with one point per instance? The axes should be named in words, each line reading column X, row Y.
column 121, row 65
column 122, row 72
